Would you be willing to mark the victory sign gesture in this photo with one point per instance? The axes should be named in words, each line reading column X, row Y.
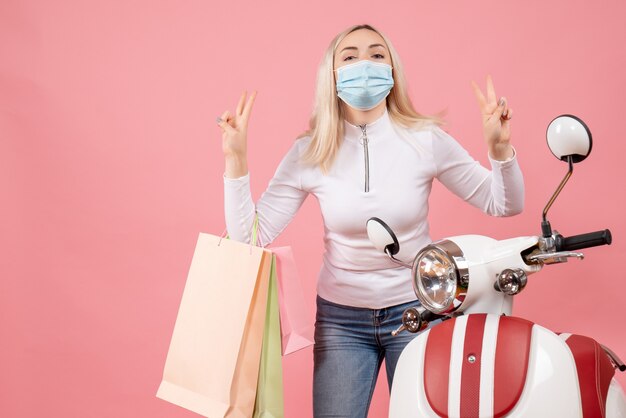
column 235, row 128
column 235, row 137
column 496, row 117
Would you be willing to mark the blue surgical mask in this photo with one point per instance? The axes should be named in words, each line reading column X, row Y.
column 364, row 84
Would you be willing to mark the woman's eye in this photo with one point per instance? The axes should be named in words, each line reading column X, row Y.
column 378, row 56
column 348, row 58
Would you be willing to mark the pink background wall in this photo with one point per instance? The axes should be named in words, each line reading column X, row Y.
column 110, row 165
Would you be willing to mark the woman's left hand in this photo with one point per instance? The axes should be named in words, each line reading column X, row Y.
column 496, row 126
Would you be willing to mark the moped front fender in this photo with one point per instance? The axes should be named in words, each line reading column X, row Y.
column 485, row 365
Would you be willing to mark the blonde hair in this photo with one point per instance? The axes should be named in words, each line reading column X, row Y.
column 326, row 123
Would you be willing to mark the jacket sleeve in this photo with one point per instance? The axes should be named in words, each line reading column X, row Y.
column 499, row 192
column 276, row 207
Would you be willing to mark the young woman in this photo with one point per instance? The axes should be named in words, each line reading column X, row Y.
column 367, row 153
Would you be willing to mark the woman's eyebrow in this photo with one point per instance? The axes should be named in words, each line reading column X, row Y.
column 349, row 47
column 370, row 47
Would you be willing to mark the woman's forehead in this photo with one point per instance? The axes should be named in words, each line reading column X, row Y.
column 361, row 38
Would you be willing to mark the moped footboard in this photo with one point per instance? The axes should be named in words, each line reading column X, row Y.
column 485, row 365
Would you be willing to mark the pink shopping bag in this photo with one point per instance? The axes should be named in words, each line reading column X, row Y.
column 296, row 317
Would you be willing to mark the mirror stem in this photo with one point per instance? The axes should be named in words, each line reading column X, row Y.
column 395, row 260
column 545, row 225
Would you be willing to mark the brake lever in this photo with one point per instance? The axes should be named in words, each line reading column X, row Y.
column 555, row 257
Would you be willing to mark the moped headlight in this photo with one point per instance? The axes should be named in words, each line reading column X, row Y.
column 439, row 283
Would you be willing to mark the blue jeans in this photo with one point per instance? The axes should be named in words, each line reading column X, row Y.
column 350, row 345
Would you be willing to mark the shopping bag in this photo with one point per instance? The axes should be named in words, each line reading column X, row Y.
column 296, row 317
column 269, row 395
column 212, row 366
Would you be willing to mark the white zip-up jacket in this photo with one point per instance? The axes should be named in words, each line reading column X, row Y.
column 381, row 170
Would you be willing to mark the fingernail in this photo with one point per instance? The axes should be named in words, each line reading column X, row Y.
column 219, row 120
column 501, row 102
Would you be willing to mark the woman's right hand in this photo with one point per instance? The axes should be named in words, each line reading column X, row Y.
column 235, row 128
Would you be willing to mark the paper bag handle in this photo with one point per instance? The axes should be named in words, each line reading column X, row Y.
column 256, row 236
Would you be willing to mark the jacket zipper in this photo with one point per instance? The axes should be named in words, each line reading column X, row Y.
column 367, row 157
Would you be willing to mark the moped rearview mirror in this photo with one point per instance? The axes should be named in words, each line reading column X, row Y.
column 569, row 139
column 382, row 236
column 384, row 239
column 568, row 136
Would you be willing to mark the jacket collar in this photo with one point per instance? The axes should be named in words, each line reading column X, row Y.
column 374, row 129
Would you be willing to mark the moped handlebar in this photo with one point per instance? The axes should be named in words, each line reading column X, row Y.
column 577, row 242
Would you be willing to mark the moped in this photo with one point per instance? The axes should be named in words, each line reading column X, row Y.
column 481, row 361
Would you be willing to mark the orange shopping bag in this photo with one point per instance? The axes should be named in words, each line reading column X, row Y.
column 212, row 365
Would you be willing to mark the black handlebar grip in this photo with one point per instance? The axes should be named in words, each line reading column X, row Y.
column 577, row 242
